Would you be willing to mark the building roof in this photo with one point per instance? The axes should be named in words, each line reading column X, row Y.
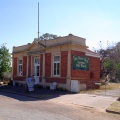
column 57, row 42
column 91, row 53
column 53, row 42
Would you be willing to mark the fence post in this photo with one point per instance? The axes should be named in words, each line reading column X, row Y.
column 105, row 88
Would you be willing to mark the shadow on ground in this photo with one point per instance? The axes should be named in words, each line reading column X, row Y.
column 19, row 93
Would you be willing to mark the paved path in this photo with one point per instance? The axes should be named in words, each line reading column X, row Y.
column 94, row 101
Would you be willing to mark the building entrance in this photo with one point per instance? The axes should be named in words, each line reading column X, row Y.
column 36, row 69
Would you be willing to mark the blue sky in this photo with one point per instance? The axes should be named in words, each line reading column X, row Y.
column 95, row 20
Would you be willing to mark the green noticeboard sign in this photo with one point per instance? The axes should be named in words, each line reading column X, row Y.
column 80, row 63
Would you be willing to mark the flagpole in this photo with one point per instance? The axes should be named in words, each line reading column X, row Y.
column 38, row 20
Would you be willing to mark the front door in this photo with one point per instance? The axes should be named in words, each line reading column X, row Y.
column 36, row 69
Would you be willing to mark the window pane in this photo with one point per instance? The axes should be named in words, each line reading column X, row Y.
column 56, row 58
column 34, row 70
column 54, row 72
column 37, row 61
column 37, row 70
column 58, row 72
column 20, row 72
column 56, row 65
column 54, row 68
column 20, row 69
column 58, row 68
column 20, row 61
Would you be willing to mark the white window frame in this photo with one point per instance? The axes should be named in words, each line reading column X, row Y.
column 20, row 67
column 57, row 62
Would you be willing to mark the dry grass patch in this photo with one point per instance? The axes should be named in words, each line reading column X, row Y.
column 109, row 86
column 115, row 107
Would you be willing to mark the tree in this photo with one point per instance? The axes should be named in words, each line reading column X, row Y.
column 110, row 61
column 48, row 36
column 108, row 65
column 5, row 60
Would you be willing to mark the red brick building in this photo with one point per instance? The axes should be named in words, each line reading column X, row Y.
column 65, row 60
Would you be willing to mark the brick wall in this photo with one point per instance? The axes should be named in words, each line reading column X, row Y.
column 48, row 64
column 24, row 65
column 19, row 78
column 55, row 79
column 95, row 68
column 88, row 77
column 77, row 53
column 64, row 58
column 80, row 74
column 64, row 61
column 15, row 66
